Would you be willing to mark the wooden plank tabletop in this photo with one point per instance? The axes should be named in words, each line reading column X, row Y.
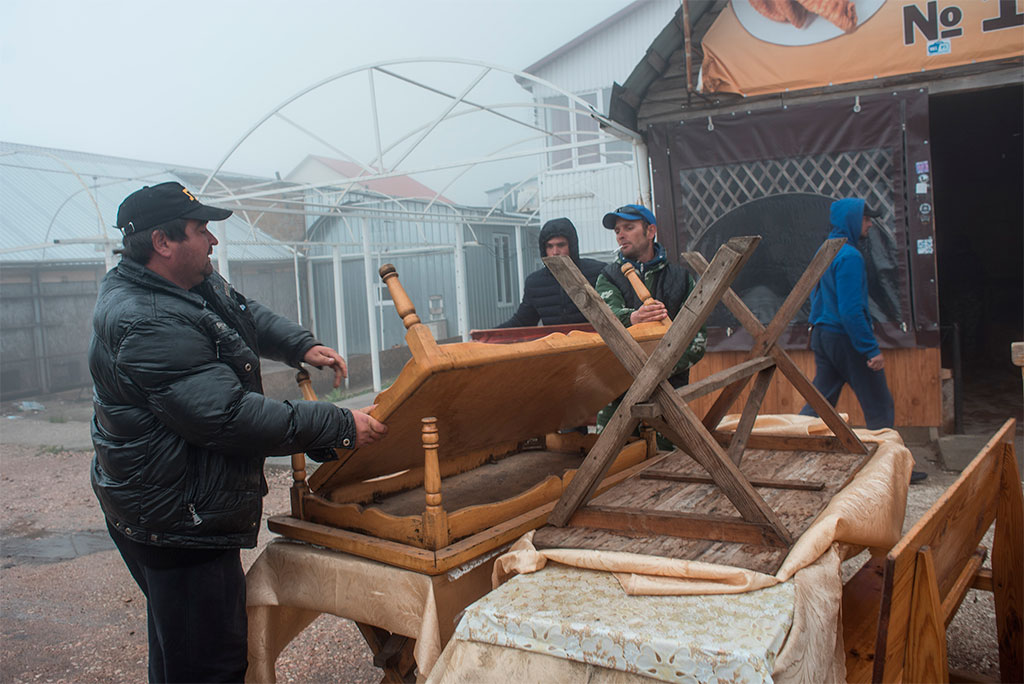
column 796, row 507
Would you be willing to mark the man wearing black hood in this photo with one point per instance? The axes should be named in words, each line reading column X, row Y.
column 544, row 300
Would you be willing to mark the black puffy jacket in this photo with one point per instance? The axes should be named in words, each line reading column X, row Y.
column 544, row 299
column 181, row 427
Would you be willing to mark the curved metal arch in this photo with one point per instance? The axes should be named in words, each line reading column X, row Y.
column 438, row 199
column 375, row 175
column 442, row 60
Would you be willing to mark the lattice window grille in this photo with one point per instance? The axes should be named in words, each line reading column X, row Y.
column 710, row 192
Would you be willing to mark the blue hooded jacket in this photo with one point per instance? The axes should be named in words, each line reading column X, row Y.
column 840, row 301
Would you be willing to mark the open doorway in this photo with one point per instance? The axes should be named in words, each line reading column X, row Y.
column 978, row 173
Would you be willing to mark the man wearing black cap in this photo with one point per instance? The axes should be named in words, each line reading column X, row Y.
column 845, row 349
column 181, row 428
column 544, row 299
column 669, row 284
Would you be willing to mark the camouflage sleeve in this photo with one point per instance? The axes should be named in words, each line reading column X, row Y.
column 613, row 298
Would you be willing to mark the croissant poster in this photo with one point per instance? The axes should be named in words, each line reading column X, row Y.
column 769, row 46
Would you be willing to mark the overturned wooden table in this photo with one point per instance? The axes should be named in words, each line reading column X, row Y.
column 480, row 447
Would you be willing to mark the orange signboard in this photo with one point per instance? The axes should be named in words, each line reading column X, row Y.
column 770, row 46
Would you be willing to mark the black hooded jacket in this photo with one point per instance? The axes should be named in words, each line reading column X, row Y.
column 544, row 299
column 181, row 426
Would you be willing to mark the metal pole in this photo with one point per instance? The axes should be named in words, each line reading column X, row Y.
column 958, row 384
column 39, row 333
column 109, row 258
column 311, row 291
column 298, row 287
column 519, row 261
column 460, row 283
column 222, row 252
column 371, row 304
column 643, row 177
column 376, row 120
column 339, row 307
column 689, row 42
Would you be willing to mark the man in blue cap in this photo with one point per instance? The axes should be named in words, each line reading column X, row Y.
column 669, row 284
column 845, row 349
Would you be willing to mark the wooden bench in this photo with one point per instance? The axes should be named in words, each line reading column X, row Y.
column 897, row 607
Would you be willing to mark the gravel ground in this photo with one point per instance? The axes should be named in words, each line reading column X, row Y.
column 76, row 615
column 70, row 612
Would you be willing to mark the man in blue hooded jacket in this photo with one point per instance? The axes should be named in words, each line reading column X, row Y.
column 845, row 349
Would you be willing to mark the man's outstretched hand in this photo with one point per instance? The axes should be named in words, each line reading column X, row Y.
column 368, row 428
column 321, row 356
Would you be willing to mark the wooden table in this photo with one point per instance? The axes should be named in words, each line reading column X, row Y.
column 574, row 624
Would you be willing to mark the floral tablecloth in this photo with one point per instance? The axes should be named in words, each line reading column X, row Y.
column 583, row 615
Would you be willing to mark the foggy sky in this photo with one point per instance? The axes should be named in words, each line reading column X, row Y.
column 180, row 82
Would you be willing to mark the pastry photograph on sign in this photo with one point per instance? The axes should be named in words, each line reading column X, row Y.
column 803, row 22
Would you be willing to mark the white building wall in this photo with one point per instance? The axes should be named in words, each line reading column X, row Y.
column 584, row 197
column 611, row 54
column 586, row 193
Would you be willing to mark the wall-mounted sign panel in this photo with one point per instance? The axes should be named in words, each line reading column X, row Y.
column 768, row 46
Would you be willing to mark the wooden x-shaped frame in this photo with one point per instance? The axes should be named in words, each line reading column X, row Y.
column 765, row 345
column 651, row 397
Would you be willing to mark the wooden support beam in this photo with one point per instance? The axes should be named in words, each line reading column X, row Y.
column 926, row 659
column 785, row 442
column 391, row 648
column 784, row 362
column 840, row 428
column 648, row 372
column 682, row 426
column 766, row 337
column 955, row 596
column 982, row 580
column 717, row 381
column 645, row 410
column 708, row 292
column 804, row 485
column 393, row 653
column 746, row 424
column 1008, row 566
column 639, row 521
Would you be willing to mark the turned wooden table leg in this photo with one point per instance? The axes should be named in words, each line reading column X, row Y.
column 421, row 342
column 435, row 518
column 299, row 487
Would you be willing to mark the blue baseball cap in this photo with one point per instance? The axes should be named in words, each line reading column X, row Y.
column 630, row 212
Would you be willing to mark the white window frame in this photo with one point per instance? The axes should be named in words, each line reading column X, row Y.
column 576, row 115
column 503, row 269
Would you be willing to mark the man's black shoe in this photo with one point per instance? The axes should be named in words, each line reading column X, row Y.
column 918, row 476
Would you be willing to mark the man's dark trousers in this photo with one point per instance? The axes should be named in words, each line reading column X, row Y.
column 838, row 363
column 195, row 605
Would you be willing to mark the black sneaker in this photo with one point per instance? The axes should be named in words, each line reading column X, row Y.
column 918, row 476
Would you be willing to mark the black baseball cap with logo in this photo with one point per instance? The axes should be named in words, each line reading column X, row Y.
column 155, row 205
